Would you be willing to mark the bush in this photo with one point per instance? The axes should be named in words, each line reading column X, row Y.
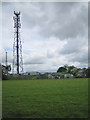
column 4, row 77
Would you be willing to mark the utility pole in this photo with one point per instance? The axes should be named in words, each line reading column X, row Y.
column 17, row 46
column 6, row 65
column 6, row 59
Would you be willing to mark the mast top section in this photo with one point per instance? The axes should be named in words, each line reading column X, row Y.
column 17, row 13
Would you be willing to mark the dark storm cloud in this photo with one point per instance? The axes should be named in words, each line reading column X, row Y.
column 63, row 20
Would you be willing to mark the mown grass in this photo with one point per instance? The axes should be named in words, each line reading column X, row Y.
column 63, row 98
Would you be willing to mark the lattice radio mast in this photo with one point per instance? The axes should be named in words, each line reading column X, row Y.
column 17, row 46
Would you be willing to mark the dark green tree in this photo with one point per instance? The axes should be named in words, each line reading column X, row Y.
column 5, row 70
column 62, row 69
column 70, row 68
column 87, row 72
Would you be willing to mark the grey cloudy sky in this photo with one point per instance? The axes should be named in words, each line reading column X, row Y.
column 53, row 34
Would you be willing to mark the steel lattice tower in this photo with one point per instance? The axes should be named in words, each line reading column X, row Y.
column 17, row 46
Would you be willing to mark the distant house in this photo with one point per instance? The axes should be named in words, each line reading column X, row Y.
column 50, row 76
column 55, row 76
column 31, row 73
column 81, row 74
column 34, row 73
column 59, row 76
column 25, row 73
column 42, row 76
column 68, row 76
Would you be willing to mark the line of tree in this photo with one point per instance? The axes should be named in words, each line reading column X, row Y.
column 77, row 72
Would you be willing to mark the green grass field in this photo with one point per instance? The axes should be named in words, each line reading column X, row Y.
column 63, row 98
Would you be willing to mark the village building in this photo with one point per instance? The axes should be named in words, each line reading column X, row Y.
column 59, row 76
